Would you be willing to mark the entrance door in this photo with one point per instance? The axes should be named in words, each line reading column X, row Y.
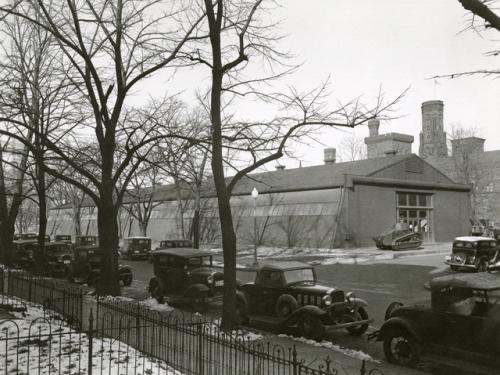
column 416, row 210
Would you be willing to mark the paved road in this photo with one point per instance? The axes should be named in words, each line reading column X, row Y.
column 377, row 282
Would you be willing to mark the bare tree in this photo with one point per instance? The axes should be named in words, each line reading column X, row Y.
column 351, row 148
column 239, row 33
column 111, row 46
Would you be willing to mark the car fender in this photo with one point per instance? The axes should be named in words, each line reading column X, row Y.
column 358, row 302
column 398, row 323
column 196, row 288
column 305, row 310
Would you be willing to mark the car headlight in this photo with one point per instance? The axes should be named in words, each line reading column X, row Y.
column 327, row 300
column 210, row 279
column 350, row 297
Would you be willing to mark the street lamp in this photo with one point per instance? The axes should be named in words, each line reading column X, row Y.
column 255, row 194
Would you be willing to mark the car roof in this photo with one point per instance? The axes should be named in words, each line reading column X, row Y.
column 283, row 266
column 184, row 252
column 137, row 238
column 478, row 281
column 29, row 240
column 474, row 238
column 53, row 243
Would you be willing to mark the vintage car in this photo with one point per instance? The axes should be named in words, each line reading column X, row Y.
column 176, row 243
column 86, row 241
column 58, row 256
column 29, row 236
column 288, row 293
column 474, row 253
column 172, row 244
column 136, row 247
column 462, row 322
column 63, row 238
column 23, row 253
column 185, row 276
column 86, row 267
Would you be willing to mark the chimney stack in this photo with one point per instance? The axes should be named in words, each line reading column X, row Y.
column 373, row 126
column 330, row 155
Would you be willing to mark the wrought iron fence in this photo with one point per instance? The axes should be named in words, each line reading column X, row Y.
column 193, row 344
column 126, row 337
column 55, row 295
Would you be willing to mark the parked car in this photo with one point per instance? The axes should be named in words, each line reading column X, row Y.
column 29, row 236
column 58, row 256
column 86, row 266
column 136, row 247
column 462, row 321
column 172, row 244
column 288, row 293
column 474, row 253
column 23, row 253
column 86, row 241
column 175, row 243
column 185, row 276
column 63, row 238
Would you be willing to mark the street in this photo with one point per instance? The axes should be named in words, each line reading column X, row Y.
column 377, row 282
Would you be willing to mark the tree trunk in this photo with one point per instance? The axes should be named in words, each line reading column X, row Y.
column 107, row 227
column 42, row 214
column 143, row 228
column 195, row 228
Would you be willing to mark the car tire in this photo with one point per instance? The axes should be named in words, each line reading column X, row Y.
column 360, row 313
column 285, row 305
column 241, row 308
column 402, row 348
column 127, row 279
column 454, row 268
column 311, row 327
column 155, row 291
column 198, row 302
column 392, row 306
column 481, row 265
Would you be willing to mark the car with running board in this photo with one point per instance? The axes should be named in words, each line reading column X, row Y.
column 287, row 294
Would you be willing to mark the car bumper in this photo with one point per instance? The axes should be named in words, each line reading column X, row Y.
column 460, row 265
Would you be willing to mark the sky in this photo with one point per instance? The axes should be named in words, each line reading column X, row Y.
column 393, row 44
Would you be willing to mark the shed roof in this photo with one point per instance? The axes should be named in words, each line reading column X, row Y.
column 283, row 266
column 478, row 281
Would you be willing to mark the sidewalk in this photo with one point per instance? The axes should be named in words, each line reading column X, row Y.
column 333, row 256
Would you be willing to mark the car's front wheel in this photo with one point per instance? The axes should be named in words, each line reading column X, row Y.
column 311, row 327
column 402, row 348
column 359, row 314
column 155, row 290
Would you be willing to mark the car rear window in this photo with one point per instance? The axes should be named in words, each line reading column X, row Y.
column 466, row 245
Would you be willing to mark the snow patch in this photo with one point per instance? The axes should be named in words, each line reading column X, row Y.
column 329, row 345
column 152, row 304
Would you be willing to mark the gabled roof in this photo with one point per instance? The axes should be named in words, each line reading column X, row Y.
column 315, row 177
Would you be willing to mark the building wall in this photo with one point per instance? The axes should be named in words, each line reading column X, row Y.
column 373, row 209
column 304, row 218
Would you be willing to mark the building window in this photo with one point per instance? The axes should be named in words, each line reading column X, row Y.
column 415, row 209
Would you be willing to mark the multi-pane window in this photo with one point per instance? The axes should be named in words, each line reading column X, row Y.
column 415, row 209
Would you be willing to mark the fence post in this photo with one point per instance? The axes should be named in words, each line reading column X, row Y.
column 200, row 348
column 362, row 371
column 294, row 360
column 30, row 283
column 90, row 337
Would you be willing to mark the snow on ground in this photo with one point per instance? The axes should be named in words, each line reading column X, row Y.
column 329, row 345
column 213, row 329
column 66, row 351
column 152, row 304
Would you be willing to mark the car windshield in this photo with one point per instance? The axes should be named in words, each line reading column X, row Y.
column 57, row 249
column 198, row 261
column 305, row 275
